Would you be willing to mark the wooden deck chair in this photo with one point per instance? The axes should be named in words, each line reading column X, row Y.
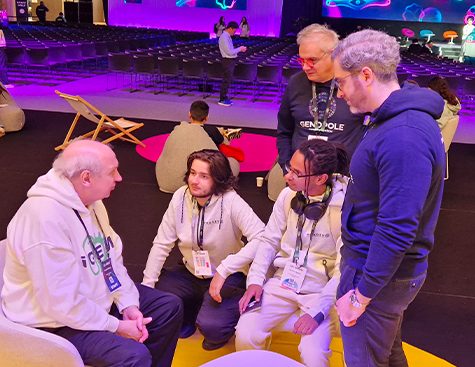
column 120, row 128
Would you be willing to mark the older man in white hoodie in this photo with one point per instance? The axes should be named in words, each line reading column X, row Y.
column 64, row 271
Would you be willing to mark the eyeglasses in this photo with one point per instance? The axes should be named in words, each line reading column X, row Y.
column 312, row 61
column 339, row 80
column 296, row 174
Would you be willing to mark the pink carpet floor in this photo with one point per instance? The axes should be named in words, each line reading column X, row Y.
column 260, row 150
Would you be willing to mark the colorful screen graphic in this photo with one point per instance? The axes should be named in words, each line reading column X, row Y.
column 437, row 11
column 216, row 4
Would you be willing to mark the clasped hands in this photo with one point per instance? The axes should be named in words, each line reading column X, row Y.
column 133, row 325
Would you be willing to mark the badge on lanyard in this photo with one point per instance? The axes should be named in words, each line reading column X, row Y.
column 293, row 276
column 202, row 263
column 311, row 137
column 110, row 277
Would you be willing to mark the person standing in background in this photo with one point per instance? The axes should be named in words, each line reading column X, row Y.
column 219, row 27
column 41, row 11
column 229, row 55
column 3, row 61
column 245, row 29
column 468, row 28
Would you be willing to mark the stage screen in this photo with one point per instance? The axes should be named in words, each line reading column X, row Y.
column 437, row 11
column 215, row 4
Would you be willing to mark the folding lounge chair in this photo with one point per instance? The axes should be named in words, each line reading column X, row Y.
column 120, row 128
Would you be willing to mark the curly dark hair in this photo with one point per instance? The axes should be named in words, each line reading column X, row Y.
column 219, row 168
column 323, row 157
column 441, row 86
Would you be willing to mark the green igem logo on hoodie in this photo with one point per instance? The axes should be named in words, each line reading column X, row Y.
column 89, row 259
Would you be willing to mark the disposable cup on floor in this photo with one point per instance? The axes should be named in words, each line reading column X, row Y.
column 259, row 181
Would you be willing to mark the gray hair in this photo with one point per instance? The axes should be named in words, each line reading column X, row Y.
column 374, row 49
column 318, row 31
column 71, row 165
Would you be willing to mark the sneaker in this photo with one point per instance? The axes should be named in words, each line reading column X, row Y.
column 187, row 331
column 225, row 102
column 231, row 134
column 212, row 346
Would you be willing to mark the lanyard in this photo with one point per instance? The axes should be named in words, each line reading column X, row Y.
column 201, row 224
column 96, row 254
column 314, row 105
column 200, row 229
column 299, row 242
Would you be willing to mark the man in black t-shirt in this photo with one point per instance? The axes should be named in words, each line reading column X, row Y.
column 306, row 111
column 41, row 11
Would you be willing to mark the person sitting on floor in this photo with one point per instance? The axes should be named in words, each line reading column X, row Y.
column 207, row 218
column 190, row 136
column 452, row 104
column 302, row 241
column 199, row 115
column 12, row 117
column 64, row 271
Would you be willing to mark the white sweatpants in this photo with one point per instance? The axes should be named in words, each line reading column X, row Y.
column 253, row 330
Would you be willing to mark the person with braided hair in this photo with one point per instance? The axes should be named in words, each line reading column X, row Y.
column 207, row 219
column 302, row 242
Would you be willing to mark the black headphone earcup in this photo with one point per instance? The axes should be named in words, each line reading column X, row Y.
column 298, row 203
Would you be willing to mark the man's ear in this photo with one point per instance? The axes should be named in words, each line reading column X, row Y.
column 85, row 177
column 368, row 75
column 321, row 179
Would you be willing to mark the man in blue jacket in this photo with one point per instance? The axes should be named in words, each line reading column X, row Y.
column 393, row 199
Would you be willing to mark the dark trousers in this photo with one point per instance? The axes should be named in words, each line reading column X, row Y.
column 3, row 66
column 375, row 340
column 103, row 348
column 216, row 321
column 228, row 70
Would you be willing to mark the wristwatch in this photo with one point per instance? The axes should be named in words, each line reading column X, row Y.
column 354, row 300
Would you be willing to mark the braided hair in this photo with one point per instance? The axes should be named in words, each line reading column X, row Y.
column 323, row 157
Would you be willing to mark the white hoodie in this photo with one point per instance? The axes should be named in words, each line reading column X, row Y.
column 227, row 218
column 277, row 247
column 51, row 276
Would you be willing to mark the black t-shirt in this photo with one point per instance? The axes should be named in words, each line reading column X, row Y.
column 214, row 134
column 296, row 124
column 41, row 12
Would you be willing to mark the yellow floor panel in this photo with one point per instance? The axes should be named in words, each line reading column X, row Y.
column 189, row 352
